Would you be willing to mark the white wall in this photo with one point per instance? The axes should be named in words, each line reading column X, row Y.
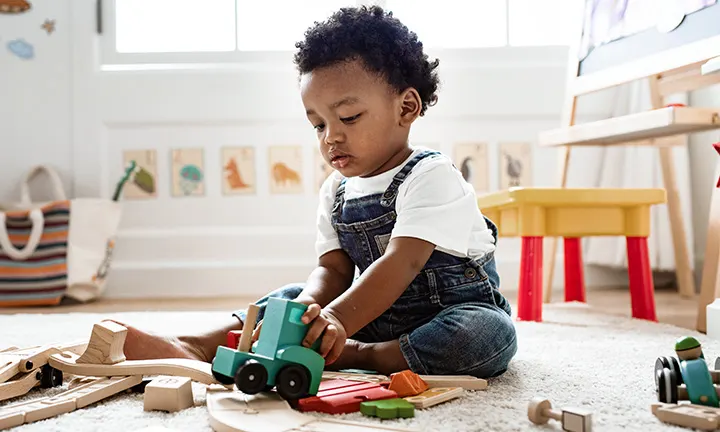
column 80, row 119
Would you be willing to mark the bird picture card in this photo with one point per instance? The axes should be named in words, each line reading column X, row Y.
column 285, row 169
column 515, row 165
column 143, row 181
column 188, row 172
column 238, row 170
column 322, row 170
column 472, row 161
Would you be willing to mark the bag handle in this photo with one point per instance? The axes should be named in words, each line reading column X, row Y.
column 38, row 224
column 57, row 186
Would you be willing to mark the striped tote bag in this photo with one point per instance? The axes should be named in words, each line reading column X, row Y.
column 55, row 249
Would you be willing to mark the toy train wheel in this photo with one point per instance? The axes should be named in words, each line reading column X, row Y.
column 669, row 363
column 667, row 388
column 222, row 379
column 251, row 378
column 50, row 377
column 293, row 382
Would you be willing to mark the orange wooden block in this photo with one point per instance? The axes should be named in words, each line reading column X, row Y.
column 407, row 383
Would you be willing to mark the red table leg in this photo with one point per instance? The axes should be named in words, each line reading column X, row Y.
column 530, row 289
column 574, row 283
column 642, row 290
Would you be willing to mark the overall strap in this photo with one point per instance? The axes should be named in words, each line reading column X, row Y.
column 339, row 201
column 388, row 198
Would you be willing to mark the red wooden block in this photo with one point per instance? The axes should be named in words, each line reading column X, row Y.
column 341, row 396
column 233, row 338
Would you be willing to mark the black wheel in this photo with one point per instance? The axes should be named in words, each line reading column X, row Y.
column 669, row 363
column 293, row 382
column 251, row 378
column 667, row 389
column 222, row 379
column 50, row 377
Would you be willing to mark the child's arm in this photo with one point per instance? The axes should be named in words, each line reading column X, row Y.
column 381, row 284
column 333, row 275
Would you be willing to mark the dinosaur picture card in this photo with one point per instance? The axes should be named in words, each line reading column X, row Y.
column 515, row 165
column 472, row 161
column 188, row 172
column 286, row 163
column 143, row 181
column 322, row 170
column 238, row 170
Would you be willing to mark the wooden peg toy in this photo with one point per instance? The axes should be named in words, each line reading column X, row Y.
column 168, row 393
column 572, row 419
column 106, row 344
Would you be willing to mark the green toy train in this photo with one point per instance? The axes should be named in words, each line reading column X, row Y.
column 277, row 360
column 689, row 378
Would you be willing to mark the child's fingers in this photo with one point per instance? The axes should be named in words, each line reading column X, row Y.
column 335, row 352
column 328, row 340
column 311, row 313
column 314, row 332
column 256, row 332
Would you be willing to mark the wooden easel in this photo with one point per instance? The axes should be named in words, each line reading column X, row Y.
column 669, row 71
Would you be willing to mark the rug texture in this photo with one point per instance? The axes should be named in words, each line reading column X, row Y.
column 576, row 357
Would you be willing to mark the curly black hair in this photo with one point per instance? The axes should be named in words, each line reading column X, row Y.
column 381, row 41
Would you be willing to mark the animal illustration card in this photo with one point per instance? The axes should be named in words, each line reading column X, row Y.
column 143, row 181
column 285, row 169
column 238, row 170
column 515, row 165
column 472, row 161
column 322, row 170
column 188, row 172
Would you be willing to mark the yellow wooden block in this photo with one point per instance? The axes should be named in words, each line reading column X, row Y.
column 571, row 212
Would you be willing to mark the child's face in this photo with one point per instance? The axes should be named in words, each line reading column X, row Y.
column 359, row 119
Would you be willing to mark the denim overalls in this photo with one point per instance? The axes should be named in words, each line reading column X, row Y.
column 451, row 320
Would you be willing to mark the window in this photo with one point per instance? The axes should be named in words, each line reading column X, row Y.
column 243, row 31
column 454, row 23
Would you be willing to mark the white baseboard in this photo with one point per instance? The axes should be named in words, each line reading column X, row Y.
column 252, row 262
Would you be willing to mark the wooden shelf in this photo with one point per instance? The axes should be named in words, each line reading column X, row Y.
column 658, row 123
column 712, row 66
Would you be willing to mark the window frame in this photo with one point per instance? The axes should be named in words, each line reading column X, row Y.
column 112, row 60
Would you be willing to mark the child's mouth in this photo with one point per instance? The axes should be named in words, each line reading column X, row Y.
column 340, row 161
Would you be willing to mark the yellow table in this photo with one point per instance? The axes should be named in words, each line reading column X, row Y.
column 535, row 213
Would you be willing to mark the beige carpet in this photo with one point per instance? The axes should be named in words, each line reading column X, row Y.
column 576, row 357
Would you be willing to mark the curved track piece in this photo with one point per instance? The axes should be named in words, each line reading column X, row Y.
column 194, row 369
column 233, row 411
column 20, row 386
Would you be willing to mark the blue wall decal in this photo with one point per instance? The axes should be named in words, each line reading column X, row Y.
column 21, row 49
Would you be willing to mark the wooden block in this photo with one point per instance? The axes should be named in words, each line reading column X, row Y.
column 248, row 328
column 467, row 382
column 355, row 377
column 388, row 408
column 688, row 415
column 168, row 393
column 540, row 411
column 342, row 396
column 407, row 383
column 106, row 344
column 233, row 339
column 435, row 396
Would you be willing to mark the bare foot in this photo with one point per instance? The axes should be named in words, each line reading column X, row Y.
column 141, row 345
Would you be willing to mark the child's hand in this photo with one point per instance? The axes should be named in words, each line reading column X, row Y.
column 332, row 331
column 256, row 332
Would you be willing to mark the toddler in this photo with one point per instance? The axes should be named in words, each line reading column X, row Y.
column 425, row 296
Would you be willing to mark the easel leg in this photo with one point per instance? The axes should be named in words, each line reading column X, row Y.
column 683, row 268
column 709, row 282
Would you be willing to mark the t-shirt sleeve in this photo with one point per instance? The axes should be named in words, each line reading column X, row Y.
column 437, row 205
column 326, row 239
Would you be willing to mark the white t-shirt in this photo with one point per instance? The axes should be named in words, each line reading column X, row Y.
column 434, row 203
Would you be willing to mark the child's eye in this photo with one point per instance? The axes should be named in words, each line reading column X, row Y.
column 319, row 127
column 350, row 119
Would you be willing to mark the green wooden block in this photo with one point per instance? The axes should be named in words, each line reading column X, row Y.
column 388, row 408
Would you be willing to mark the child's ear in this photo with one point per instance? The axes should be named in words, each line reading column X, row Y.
column 410, row 106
